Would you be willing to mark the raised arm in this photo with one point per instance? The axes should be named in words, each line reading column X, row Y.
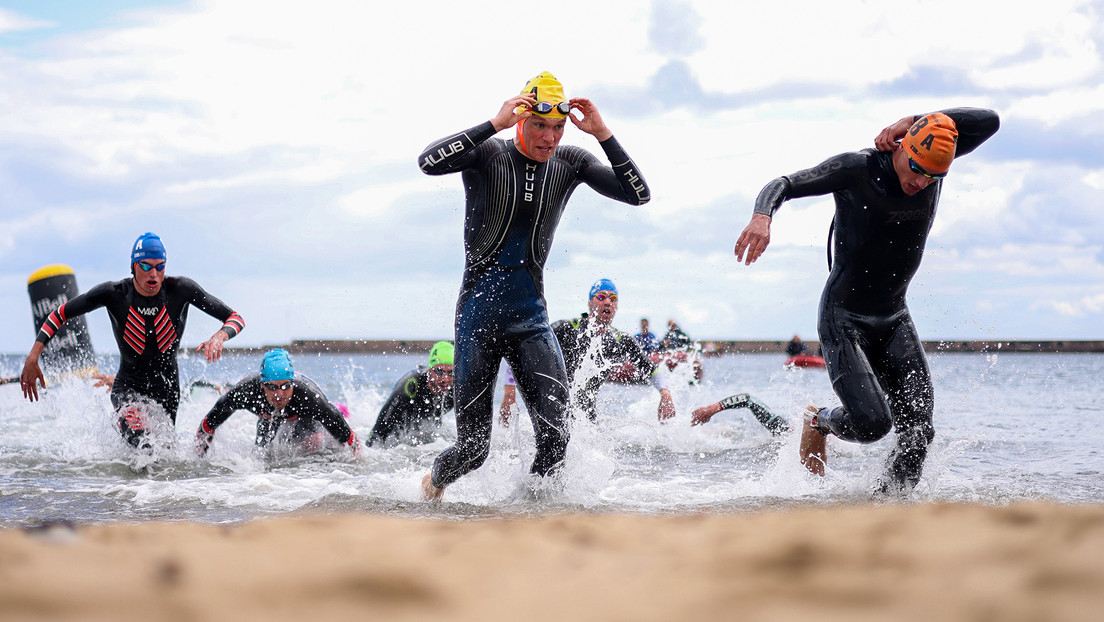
column 457, row 152
column 974, row 125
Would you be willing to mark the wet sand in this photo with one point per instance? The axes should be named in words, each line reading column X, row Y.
column 919, row 562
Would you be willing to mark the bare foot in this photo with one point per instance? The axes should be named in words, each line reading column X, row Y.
column 429, row 491
column 813, row 444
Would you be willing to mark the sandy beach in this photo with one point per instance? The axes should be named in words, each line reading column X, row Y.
column 932, row 562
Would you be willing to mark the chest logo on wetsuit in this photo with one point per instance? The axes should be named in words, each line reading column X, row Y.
column 530, row 178
column 912, row 214
column 148, row 310
column 450, row 149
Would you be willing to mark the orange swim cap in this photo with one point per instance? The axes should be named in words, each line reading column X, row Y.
column 931, row 142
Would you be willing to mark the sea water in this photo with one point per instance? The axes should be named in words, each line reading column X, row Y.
column 1008, row 427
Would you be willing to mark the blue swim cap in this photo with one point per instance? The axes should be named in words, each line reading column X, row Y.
column 602, row 285
column 276, row 365
column 147, row 246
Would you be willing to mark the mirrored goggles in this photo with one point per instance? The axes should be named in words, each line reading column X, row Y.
column 916, row 168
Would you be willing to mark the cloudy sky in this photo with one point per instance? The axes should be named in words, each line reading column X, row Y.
column 273, row 147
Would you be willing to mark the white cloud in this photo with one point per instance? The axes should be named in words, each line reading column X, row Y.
column 255, row 132
column 11, row 21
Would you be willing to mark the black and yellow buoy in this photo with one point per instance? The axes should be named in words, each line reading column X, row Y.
column 71, row 348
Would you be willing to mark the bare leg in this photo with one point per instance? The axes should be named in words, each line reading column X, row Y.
column 813, row 444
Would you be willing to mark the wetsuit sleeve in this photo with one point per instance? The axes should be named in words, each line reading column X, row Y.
column 331, row 418
column 833, row 174
column 237, row 398
column 390, row 416
column 455, row 153
column 92, row 299
column 622, row 182
column 232, row 323
column 975, row 126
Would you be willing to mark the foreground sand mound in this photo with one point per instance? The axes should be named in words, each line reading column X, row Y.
column 931, row 562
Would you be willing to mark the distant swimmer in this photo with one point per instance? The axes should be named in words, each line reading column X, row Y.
column 774, row 423
column 675, row 338
column 516, row 193
column 592, row 347
column 286, row 404
column 646, row 338
column 796, row 347
column 885, row 205
column 148, row 312
column 418, row 401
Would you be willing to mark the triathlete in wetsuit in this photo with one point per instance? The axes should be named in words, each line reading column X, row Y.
column 885, row 205
column 418, row 400
column 516, row 192
column 279, row 397
column 592, row 346
column 148, row 313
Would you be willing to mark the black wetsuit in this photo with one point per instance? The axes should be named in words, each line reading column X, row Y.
column 614, row 348
column 777, row 425
column 513, row 206
column 874, row 357
column 412, row 409
column 148, row 330
column 675, row 339
column 795, row 348
column 307, row 409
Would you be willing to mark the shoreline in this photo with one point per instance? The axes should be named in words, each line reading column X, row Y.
column 709, row 347
column 1026, row 561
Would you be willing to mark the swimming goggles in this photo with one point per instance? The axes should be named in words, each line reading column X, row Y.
column 273, row 386
column 604, row 297
column 546, row 107
column 146, row 267
column 915, row 168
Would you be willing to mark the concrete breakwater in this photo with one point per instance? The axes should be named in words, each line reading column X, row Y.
column 710, row 347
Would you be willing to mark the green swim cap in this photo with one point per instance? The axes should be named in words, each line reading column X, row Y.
column 441, row 354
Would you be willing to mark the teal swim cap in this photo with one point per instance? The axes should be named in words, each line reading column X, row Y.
column 441, row 354
column 276, row 365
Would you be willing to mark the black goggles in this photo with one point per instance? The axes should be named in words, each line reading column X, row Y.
column 545, row 107
column 146, row 267
column 277, row 386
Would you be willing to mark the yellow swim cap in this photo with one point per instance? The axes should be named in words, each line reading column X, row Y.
column 547, row 89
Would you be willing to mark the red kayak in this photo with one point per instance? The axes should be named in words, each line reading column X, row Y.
column 627, row 373
column 805, row 360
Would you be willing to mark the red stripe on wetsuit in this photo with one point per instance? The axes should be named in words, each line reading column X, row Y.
column 233, row 324
column 134, row 333
column 54, row 321
column 165, row 331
